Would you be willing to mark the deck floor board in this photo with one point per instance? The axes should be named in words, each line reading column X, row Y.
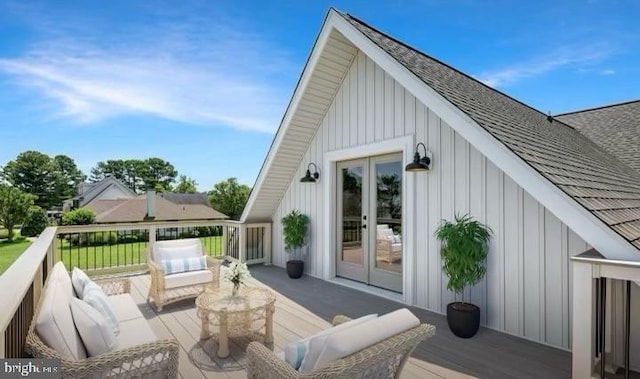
column 306, row 306
column 490, row 354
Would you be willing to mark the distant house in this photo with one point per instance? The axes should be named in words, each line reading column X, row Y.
column 154, row 206
column 108, row 188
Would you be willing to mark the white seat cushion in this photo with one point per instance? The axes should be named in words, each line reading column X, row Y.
column 302, row 355
column 135, row 332
column 55, row 321
column 124, row 307
column 185, row 248
column 396, row 247
column 188, row 278
column 97, row 335
column 351, row 340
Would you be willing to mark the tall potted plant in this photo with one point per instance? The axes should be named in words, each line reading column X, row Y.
column 464, row 254
column 295, row 232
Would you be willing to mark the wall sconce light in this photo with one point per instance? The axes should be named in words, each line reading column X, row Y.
column 419, row 163
column 309, row 177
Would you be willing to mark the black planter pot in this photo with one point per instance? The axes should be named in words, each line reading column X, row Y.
column 463, row 319
column 295, row 268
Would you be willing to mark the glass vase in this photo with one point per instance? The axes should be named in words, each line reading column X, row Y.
column 235, row 290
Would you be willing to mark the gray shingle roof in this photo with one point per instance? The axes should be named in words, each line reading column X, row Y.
column 616, row 128
column 135, row 210
column 592, row 176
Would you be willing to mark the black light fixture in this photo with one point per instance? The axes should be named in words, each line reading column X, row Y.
column 309, row 177
column 419, row 163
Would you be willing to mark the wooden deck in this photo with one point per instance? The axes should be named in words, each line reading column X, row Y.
column 305, row 306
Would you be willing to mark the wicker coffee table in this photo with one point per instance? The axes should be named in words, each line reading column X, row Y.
column 246, row 314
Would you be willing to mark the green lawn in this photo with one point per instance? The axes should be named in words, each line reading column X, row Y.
column 9, row 252
column 132, row 255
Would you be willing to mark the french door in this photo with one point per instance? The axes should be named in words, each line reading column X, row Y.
column 369, row 221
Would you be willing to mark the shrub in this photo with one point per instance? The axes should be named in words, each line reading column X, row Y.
column 36, row 222
column 102, row 238
column 80, row 216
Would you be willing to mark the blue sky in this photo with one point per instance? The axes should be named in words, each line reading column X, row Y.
column 204, row 84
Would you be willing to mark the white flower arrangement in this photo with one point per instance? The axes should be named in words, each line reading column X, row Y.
column 237, row 273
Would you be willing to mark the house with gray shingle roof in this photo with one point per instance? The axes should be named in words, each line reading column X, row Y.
column 108, row 188
column 561, row 194
column 156, row 206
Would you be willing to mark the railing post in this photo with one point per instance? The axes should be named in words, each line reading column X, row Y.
column 583, row 323
column 267, row 244
column 242, row 242
column 152, row 234
column 225, row 236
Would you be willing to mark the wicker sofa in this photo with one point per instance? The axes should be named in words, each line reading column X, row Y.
column 138, row 353
column 166, row 289
column 388, row 245
column 384, row 359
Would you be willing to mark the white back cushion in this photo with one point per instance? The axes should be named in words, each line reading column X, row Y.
column 55, row 322
column 59, row 273
column 349, row 341
column 185, row 248
column 302, row 355
column 93, row 328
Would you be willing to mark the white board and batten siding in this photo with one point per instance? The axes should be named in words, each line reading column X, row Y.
column 526, row 289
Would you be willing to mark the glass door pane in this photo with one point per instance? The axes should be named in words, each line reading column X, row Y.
column 351, row 214
column 386, row 204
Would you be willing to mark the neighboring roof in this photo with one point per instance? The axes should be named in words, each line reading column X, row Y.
column 90, row 191
column 135, row 210
column 187, row 198
column 596, row 179
column 615, row 128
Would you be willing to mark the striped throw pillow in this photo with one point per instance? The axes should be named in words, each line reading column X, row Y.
column 294, row 353
column 174, row 266
column 95, row 296
column 79, row 280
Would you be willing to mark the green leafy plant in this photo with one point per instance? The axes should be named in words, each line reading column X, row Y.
column 80, row 216
column 295, row 230
column 36, row 222
column 14, row 208
column 464, row 251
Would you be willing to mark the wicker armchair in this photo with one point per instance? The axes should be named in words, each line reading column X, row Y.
column 164, row 289
column 384, row 359
column 158, row 359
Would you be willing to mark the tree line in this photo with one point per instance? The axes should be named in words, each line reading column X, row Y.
column 34, row 182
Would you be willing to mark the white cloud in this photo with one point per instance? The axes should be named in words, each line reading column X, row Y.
column 196, row 72
column 567, row 57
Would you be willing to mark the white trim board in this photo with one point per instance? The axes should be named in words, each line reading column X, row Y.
column 406, row 146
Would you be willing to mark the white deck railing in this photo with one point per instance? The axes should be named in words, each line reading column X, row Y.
column 103, row 249
column 21, row 286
